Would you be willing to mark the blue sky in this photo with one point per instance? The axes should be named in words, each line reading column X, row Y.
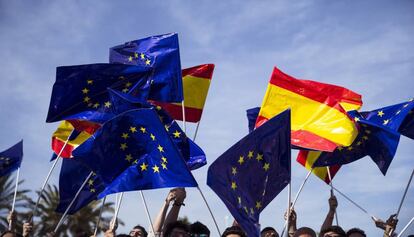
column 366, row 46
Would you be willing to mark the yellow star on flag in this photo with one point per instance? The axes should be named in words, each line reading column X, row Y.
column 241, row 160
column 128, row 157
column 93, row 190
column 259, row 157
column 90, row 182
column 136, row 55
column 250, row 155
column 143, row 130
column 123, row 146
column 258, row 205
column 85, row 91
column 125, row 135
column 96, row 105
column 177, row 134
column 350, row 148
column 156, row 169
column 233, row 185
column 143, row 166
column 152, row 137
column 164, row 166
column 142, row 56
column 385, row 122
column 234, row 170
column 380, row 113
column 133, row 129
column 90, row 82
column 147, row 62
column 160, row 148
column 108, row 104
column 266, row 166
column 130, row 58
column 164, row 159
column 86, row 99
column 356, row 119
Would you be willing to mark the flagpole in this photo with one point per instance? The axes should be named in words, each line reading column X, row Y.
column 146, row 210
column 99, row 217
column 183, row 110
column 195, row 133
column 406, row 227
column 359, row 207
column 15, row 193
column 48, row 176
column 73, row 201
column 118, row 206
column 297, row 195
column 332, row 192
column 405, row 193
column 211, row 213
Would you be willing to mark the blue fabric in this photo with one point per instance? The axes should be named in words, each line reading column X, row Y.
column 134, row 152
column 11, row 159
column 72, row 175
column 80, row 92
column 252, row 117
column 160, row 52
column 249, row 175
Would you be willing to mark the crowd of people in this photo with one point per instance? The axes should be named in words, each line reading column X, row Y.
column 167, row 225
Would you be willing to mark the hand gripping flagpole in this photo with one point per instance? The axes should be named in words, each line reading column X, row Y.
column 211, row 213
column 15, row 193
column 48, row 176
column 297, row 195
column 332, row 192
column 73, row 201
column 146, row 210
column 406, row 227
column 405, row 193
column 99, row 217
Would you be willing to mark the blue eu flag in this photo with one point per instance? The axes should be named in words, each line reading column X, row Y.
column 134, row 152
column 192, row 153
column 80, row 92
column 252, row 116
column 160, row 52
column 373, row 140
column 72, row 175
column 11, row 159
column 249, row 175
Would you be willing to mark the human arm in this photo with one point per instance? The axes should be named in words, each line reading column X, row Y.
column 180, row 196
column 333, row 204
column 159, row 220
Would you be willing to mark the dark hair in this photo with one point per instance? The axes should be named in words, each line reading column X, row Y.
column 10, row 232
column 236, row 230
column 122, row 235
column 266, row 229
column 334, row 228
column 142, row 229
column 355, row 230
column 81, row 233
column 176, row 224
column 304, row 230
column 199, row 228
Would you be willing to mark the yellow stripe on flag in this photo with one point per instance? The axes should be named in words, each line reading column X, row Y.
column 63, row 132
column 309, row 115
column 195, row 91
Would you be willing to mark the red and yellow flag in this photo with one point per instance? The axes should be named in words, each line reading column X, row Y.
column 75, row 132
column 318, row 120
column 307, row 158
column 196, row 82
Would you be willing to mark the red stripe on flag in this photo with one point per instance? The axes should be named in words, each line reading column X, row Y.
column 191, row 114
column 57, row 147
column 203, row 71
column 299, row 87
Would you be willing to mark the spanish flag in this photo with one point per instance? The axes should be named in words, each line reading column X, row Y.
column 75, row 132
column 307, row 158
column 196, row 82
column 319, row 120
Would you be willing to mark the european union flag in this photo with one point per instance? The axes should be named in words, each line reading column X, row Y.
column 398, row 117
column 72, row 176
column 11, row 159
column 249, row 175
column 160, row 52
column 134, row 152
column 80, row 92
column 192, row 153
column 252, row 116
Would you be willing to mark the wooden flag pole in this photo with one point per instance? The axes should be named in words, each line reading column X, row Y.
column 118, row 206
column 183, row 110
column 405, row 193
column 209, row 209
column 332, row 192
column 73, row 201
column 297, row 196
column 15, row 194
column 146, row 210
column 48, row 177
column 406, row 227
column 99, row 217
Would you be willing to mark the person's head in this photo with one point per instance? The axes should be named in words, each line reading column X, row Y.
column 197, row 229
column 304, row 232
column 355, row 232
column 81, row 233
column 333, row 231
column 9, row 234
column 177, row 229
column 233, row 231
column 269, row 232
column 122, row 235
column 138, row 231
